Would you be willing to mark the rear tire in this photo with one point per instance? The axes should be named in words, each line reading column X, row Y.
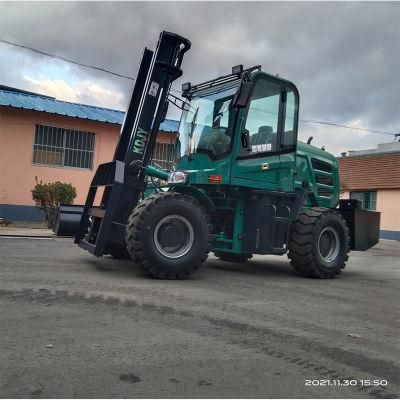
column 231, row 257
column 167, row 235
column 319, row 243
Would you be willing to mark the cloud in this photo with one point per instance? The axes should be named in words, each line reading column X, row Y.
column 343, row 56
column 85, row 92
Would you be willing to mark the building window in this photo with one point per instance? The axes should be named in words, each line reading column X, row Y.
column 367, row 199
column 68, row 148
column 162, row 155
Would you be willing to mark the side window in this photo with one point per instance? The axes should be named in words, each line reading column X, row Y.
column 289, row 128
column 367, row 199
column 262, row 117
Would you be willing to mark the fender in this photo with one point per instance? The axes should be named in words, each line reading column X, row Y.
column 196, row 193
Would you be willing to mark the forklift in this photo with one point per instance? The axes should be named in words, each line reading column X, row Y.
column 242, row 183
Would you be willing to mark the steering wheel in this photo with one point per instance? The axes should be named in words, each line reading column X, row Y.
column 219, row 142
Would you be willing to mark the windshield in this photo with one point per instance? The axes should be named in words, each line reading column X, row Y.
column 207, row 122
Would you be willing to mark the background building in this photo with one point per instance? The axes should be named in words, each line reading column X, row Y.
column 42, row 138
column 373, row 177
column 50, row 140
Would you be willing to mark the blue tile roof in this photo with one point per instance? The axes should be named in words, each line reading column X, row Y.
column 50, row 105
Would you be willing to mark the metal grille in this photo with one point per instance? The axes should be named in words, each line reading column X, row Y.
column 324, row 193
column 162, row 155
column 321, row 165
column 323, row 180
column 63, row 147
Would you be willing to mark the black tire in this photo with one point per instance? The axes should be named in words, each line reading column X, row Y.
column 231, row 257
column 117, row 251
column 319, row 243
column 144, row 227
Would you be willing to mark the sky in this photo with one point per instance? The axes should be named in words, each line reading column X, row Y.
column 344, row 57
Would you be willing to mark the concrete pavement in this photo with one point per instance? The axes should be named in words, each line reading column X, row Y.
column 74, row 325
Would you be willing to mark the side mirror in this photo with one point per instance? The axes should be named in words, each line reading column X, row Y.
column 242, row 95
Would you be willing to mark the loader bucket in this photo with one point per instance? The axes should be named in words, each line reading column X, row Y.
column 67, row 220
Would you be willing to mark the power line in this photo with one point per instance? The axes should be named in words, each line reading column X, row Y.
column 72, row 61
column 65, row 59
column 172, row 89
column 313, row 121
column 346, row 126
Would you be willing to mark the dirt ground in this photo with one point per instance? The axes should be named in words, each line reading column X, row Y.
column 73, row 325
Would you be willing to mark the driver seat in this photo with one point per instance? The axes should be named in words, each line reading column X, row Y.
column 263, row 136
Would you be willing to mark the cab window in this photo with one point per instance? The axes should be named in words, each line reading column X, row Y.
column 263, row 117
column 290, row 126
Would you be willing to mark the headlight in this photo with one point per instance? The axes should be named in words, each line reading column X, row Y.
column 177, row 177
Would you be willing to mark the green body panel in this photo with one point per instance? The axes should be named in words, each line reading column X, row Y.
column 221, row 241
column 156, row 173
column 286, row 171
column 305, row 172
column 249, row 172
column 198, row 194
column 200, row 167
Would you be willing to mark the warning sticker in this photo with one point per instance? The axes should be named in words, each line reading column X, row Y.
column 153, row 89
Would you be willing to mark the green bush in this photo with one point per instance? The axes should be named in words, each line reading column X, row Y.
column 48, row 196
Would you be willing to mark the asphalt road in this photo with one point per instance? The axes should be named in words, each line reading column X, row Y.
column 73, row 325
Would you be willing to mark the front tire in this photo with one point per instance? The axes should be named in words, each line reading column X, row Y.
column 319, row 243
column 167, row 235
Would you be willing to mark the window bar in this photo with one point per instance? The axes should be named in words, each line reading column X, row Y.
column 48, row 143
column 70, row 147
column 91, row 136
column 69, row 144
column 52, row 148
column 51, row 152
column 73, row 148
column 78, row 153
column 77, row 148
column 44, row 144
column 40, row 154
column 49, row 133
column 85, row 148
column 80, row 146
column 81, row 150
column 57, row 153
column 63, row 138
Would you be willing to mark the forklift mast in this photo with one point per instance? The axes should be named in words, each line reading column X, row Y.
column 123, row 179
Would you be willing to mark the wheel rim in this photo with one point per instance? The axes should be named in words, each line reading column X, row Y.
column 173, row 236
column 328, row 244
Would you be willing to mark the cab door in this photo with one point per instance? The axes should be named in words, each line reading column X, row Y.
column 288, row 138
column 265, row 153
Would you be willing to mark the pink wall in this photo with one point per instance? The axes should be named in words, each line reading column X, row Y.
column 387, row 202
column 17, row 174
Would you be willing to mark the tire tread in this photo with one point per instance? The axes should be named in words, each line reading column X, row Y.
column 301, row 241
column 136, row 225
